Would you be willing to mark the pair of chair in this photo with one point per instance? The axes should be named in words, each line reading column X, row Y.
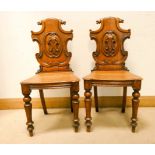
column 55, row 71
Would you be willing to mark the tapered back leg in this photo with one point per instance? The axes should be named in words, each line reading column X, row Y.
column 43, row 101
column 124, row 99
column 96, row 98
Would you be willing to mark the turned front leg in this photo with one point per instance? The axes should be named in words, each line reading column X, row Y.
column 135, row 104
column 75, row 105
column 88, row 102
column 28, row 108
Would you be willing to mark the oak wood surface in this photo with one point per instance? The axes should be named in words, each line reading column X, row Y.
column 52, row 40
column 109, row 38
column 52, row 77
column 110, row 69
column 112, row 75
column 54, row 70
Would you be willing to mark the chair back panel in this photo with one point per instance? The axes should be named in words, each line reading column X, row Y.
column 110, row 37
column 52, row 40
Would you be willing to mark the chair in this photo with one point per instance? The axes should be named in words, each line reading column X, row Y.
column 110, row 67
column 54, row 71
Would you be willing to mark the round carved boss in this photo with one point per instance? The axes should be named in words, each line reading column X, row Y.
column 53, row 45
column 109, row 44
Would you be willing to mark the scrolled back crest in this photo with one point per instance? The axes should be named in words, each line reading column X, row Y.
column 110, row 37
column 52, row 40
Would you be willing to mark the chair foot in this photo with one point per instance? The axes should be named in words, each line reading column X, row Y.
column 76, row 129
column 123, row 111
column 30, row 128
column 97, row 110
column 88, row 124
column 88, row 129
column 133, row 124
column 71, row 109
column 45, row 112
column 133, row 129
column 76, row 125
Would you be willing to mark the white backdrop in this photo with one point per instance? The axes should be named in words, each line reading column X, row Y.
column 17, row 51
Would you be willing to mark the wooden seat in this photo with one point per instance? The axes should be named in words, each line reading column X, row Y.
column 52, row 77
column 54, row 71
column 110, row 69
column 112, row 75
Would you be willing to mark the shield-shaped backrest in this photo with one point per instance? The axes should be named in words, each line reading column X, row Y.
column 110, row 37
column 52, row 40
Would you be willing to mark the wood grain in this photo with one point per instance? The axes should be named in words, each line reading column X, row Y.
column 112, row 75
column 110, row 69
column 54, row 70
column 52, row 77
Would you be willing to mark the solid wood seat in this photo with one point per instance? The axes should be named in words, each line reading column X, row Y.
column 52, row 77
column 54, row 70
column 110, row 69
column 112, row 75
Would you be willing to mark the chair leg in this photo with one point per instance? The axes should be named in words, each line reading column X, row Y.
column 28, row 108
column 88, row 101
column 71, row 105
column 135, row 103
column 96, row 98
column 43, row 101
column 124, row 99
column 75, row 104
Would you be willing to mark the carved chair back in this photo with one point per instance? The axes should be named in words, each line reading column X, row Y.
column 110, row 37
column 52, row 41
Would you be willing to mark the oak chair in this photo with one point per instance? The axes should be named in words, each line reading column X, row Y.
column 54, row 71
column 110, row 69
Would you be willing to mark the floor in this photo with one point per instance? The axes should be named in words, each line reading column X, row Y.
column 109, row 126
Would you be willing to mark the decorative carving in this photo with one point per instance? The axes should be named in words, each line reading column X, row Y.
column 52, row 41
column 110, row 37
column 53, row 45
column 109, row 44
column 110, row 56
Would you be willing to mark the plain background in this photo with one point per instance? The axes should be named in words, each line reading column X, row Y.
column 18, row 62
